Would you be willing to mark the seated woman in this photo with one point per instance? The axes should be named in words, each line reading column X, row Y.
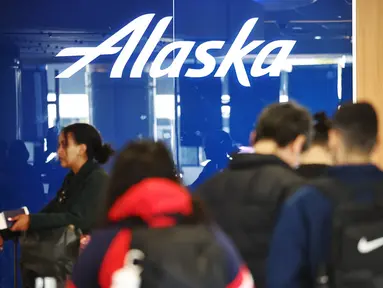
column 155, row 232
column 316, row 160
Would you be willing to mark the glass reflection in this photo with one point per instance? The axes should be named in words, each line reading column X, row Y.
column 202, row 120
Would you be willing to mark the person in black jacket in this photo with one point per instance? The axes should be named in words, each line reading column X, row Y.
column 245, row 198
column 316, row 160
column 81, row 150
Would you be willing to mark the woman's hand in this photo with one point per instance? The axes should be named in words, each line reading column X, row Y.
column 21, row 223
column 84, row 241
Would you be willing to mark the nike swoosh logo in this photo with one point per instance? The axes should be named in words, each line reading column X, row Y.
column 365, row 246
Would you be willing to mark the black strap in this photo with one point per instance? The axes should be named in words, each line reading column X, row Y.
column 15, row 263
column 333, row 189
column 340, row 191
column 130, row 223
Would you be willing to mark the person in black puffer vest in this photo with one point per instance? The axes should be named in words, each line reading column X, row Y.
column 245, row 198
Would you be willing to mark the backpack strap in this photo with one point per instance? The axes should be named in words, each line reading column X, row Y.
column 331, row 188
column 340, row 192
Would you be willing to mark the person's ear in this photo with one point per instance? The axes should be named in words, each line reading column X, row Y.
column 376, row 146
column 82, row 149
column 298, row 144
column 333, row 139
column 252, row 138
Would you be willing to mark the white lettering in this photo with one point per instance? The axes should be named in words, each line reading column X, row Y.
column 149, row 47
column 174, row 69
column 237, row 52
column 278, row 64
column 137, row 28
column 81, row 51
column 205, row 58
column 140, row 24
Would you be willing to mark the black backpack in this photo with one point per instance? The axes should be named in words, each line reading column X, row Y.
column 356, row 258
column 184, row 256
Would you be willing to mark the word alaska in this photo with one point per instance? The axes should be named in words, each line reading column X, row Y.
column 138, row 27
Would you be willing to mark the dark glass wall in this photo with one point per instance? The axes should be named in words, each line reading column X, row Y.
column 181, row 110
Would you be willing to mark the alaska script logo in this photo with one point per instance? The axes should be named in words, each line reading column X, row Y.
column 138, row 27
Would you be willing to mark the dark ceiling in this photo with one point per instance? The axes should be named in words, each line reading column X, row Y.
column 42, row 28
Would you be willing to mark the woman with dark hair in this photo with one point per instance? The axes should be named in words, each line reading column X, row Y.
column 148, row 212
column 316, row 160
column 81, row 150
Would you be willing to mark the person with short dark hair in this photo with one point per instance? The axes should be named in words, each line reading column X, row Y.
column 303, row 239
column 82, row 151
column 145, row 194
column 244, row 199
column 284, row 124
column 317, row 159
column 356, row 127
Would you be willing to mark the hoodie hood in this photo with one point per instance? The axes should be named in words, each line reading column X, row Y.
column 156, row 201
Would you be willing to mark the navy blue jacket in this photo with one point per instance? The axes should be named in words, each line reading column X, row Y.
column 301, row 238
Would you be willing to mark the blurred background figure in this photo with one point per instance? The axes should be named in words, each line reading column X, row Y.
column 24, row 186
column 246, row 150
column 3, row 155
column 52, row 143
column 316, row 160
column 218, row 147
column 3, row 159
column 53, row 171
